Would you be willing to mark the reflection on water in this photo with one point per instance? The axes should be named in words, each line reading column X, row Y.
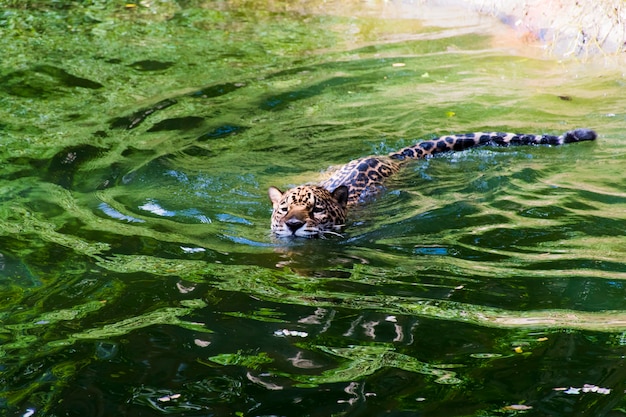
column 138, row 273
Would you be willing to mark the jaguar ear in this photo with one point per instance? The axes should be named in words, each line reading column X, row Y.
column 340, row 194
column 275, row 195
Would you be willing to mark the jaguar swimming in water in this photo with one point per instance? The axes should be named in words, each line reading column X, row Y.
column 316, row 210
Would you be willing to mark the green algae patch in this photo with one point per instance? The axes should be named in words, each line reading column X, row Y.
column 69, row 68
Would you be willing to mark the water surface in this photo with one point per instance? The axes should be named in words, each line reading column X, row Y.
column 137, row 270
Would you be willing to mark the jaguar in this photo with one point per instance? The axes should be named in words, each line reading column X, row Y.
column 317, row 210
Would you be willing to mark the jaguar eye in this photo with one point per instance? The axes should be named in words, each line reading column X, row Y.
column 318, row 209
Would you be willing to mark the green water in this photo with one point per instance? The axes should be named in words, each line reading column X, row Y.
column 137, row 273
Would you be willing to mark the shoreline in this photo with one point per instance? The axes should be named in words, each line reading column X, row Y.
column 565, row 28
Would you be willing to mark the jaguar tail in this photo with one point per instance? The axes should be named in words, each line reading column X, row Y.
column 470, row 140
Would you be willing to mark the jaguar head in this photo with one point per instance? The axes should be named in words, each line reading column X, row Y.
column 308, row 211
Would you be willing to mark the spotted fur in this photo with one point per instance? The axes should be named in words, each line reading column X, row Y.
column 308, row 210
column 316, row 210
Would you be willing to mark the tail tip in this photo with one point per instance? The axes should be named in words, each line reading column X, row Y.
column 579, row 135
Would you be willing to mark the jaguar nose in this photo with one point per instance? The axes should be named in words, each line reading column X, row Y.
column 294, row 224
